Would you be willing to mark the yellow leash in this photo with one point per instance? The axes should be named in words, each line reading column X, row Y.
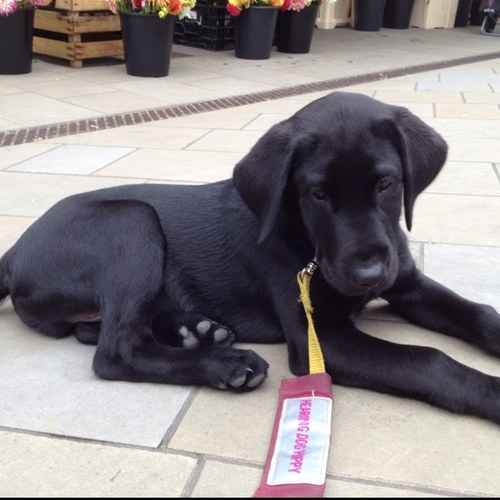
column 316, row 360
column 298, row 454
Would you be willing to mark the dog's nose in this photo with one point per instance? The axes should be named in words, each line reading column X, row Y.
column 369, row 275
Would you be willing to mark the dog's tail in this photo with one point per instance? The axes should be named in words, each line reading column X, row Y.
column 4, row 285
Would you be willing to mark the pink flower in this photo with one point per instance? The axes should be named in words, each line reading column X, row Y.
column 7, row 7
column 296, row 4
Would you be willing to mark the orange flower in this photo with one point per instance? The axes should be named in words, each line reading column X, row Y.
column 175, row 7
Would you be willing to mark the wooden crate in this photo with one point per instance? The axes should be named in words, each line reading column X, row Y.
column 76, row 30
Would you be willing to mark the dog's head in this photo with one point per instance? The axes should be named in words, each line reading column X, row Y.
column 339, row 170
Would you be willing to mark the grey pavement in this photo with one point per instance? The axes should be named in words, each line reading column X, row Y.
column 64, row 432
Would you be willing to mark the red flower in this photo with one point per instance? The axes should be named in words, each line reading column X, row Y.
column 137, row 4
column 233, row 10
column 286, row 5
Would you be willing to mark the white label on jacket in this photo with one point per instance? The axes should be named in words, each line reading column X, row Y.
column 302, row 442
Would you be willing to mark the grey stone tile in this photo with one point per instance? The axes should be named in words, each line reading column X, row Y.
column 30, row 195
column 471, row 271
column 265, row 121
column 466, row 178
column 228, row 480
column 398, row 96
column 38, row 466
column 48, row 385
column 480, row 85
column 466, row 128
column 481, row 97
column 12, row 155
column 137, row 136
column 222, row 119
column 474, row 148
column 72, row 159
column 32, row 109
column 175, row 166
column 173, row 93
column 62, row 87
column 12, row 228
column 6, row 125
column 115, row 101
column 462, row 110
column 466, row 220
column 226, row 140
column 6, row 89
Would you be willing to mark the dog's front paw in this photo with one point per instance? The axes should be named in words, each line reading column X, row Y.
column 205, row 332
column 238, row 370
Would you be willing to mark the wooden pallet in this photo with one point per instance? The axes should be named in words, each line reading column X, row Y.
column 76, row 30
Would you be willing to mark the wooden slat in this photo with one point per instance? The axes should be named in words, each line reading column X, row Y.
column 59, row 22
column 81, row 5
column 53, row 48
column 49, row 20
column 107, row 48
column 96, row 23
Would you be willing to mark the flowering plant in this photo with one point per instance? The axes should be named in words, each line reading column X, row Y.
column 234, row 7
column 162, row 8
column 10, row 6
column 297, row 5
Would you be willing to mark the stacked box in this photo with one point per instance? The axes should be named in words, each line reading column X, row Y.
column 76, row 30
column 209, row 26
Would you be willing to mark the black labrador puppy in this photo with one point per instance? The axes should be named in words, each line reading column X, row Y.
column 163, row 278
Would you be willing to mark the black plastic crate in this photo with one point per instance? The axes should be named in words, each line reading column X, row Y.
column 209, row 26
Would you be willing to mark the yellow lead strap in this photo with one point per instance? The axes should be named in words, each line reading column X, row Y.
column 316, row 360
column 300, row 440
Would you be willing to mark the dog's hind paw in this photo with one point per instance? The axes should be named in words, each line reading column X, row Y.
column 204, row 333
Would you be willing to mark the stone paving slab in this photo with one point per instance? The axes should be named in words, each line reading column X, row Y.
column 47, row 385
column 39, row 466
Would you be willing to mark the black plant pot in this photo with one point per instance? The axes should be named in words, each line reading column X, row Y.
column 295, row 29
column 368, row 14
column 476, row 15
column 147, row 43
column 463, row 12
column 254, row 32
column 16, row 42
column 397, row 14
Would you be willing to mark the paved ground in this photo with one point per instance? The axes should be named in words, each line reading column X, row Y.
column 63, row 432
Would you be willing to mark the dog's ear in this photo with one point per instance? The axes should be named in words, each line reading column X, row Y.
column 423, row 152
column 262, row 175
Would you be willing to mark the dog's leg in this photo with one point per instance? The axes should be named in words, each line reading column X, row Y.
column 356, row 359
column 129, row 352
column 127, row 349
column 132, row 294
column 87, row 333
column 431, row 305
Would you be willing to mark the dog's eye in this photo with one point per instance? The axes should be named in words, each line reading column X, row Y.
column 319, row 195
column 384, row 184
